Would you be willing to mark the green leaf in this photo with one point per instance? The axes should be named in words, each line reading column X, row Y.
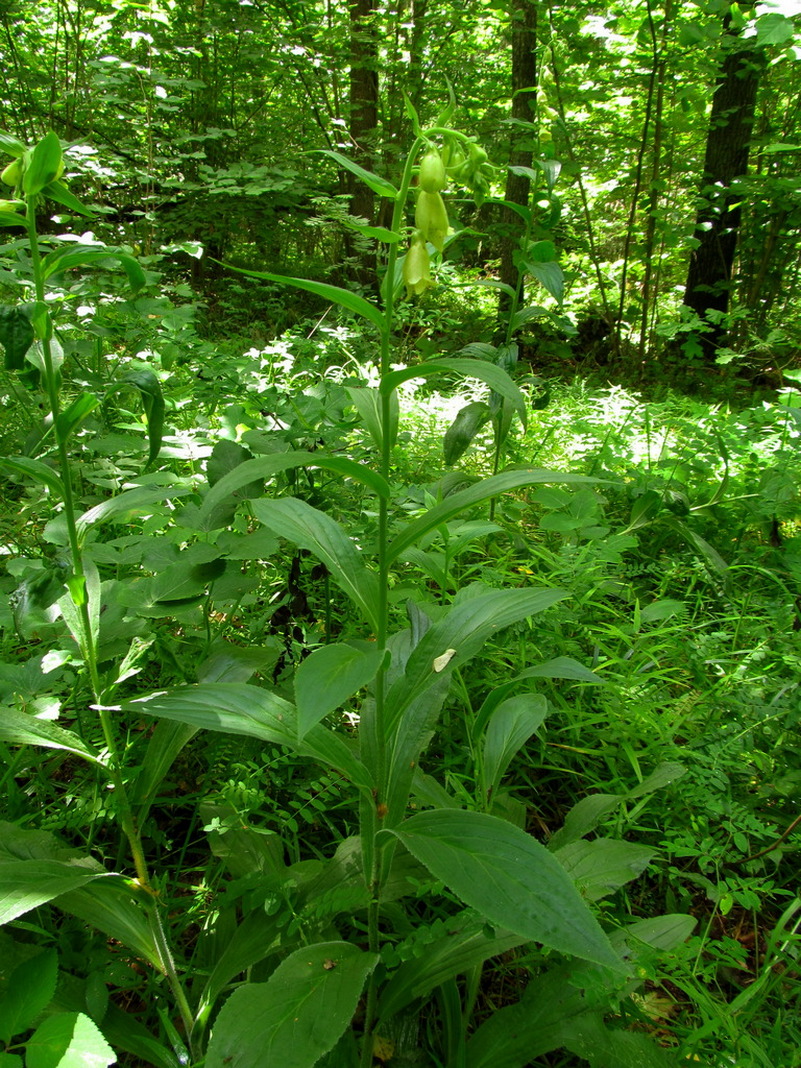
column 20, row 728
column 367, row 401
column 141, row 500
column 583, row 817
column 62, row 259
column 12, row 145
column 70, row 419
column 551, row 168
column 481, row 491
column 153, row 403
column 68, row 1040
column 27, row 993
column 110, row 906
column 328, row 677
column 377, row 233
column 311, row 529
column 251, row 942
column 562, row 667
column 58, row 191
column 26, row 884
column 550, row 276
column 297, row 1015
column 42, row 165
column 511, row 725
column 466, row 944
column 455, row 639
column 126, row 1033
column 265, row 467
column 16, row 336
column 600, row 867
column 660, row 932
column 35, row 469
column 333, row 294
column 495, row 377
column 526, row 315
column 774, row 29
column 165, row 743
column 662, row 776
column 238, row 708
column 509, row 878
column 378, row 185
column 469, row 420
column 83, row 590
column 564, row 1008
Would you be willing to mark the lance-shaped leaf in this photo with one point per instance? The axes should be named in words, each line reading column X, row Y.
column 149, row 388
column 12, row 145
column 297, row 1015
column 122, row 913
column 35, row 868
column 510, row 878
column 487, row 488
column 311, row 529
column 600, row 867
column 65, row 257
column 140, row 500
column 495, row 377
column 251, row 471
column 512, row 724
column 238, row 708
column 328, row 677
column 378, row 185
column 35, row 469
column 19, row 728
column 462, row 632
column 58, row 191
column 466, row 944
column 368, row 404
column 352, row 301
column 414, row 699
column 71, row 418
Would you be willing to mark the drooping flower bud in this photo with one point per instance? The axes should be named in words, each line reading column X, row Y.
column 417, row 267
column 431, row 218
column 12, row 173
column 432, row 172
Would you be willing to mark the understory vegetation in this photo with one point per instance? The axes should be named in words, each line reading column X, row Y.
column 399, row 610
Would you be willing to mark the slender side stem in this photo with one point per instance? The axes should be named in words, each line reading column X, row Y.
column 80, row 596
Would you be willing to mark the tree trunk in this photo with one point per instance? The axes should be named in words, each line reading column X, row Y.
column 523, row 14
column 363, row 116
column 709, row 280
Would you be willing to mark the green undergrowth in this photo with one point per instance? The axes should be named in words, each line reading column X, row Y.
column 244, row 590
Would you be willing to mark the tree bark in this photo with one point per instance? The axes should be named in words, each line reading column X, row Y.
column 523, row 14
column 363, row 116
column 709, row 279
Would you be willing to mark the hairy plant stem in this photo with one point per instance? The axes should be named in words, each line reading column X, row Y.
column 78, row 591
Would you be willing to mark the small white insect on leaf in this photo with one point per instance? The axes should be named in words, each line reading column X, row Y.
column 441, row 662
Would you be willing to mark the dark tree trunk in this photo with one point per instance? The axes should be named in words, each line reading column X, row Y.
column 363, row 115
column 523, row 14
column 709, row 279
